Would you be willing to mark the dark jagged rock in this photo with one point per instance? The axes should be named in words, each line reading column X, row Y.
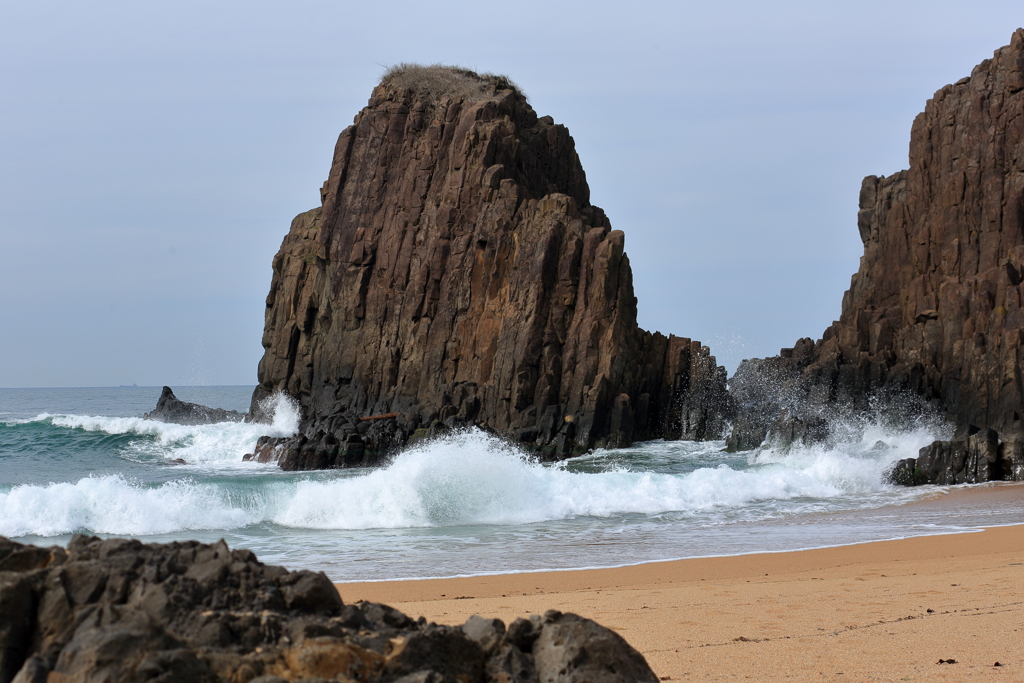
column 170, row 409
column 971, row 459
column 456, row 273
column 934, row 315
column 771, row 404
column 585, row 652
column 118, row 610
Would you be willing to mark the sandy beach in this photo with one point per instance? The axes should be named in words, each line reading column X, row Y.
column 885, row 611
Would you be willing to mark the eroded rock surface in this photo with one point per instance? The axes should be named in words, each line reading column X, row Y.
column 935, row 310
column 171, row 409
column 119, row 610
column 456, row 273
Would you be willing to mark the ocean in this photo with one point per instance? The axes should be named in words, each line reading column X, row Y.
column 83, row 460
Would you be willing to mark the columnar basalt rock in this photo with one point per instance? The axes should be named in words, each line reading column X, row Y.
column 120, row 610
column 457, row 273
column 935, row 310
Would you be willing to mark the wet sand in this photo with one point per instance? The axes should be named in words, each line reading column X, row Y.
column 888, row 610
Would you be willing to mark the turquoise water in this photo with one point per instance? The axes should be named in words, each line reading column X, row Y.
column 84, row 461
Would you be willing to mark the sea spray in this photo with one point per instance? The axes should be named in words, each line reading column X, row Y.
column 861, row 447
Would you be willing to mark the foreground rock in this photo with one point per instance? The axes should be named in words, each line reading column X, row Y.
column 456, row 273
column 934, row 316
column 170, row 409
column 117, row 610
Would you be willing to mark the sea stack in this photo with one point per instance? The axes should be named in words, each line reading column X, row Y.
column 169, row 408
column 457, row 273
column 935, row 310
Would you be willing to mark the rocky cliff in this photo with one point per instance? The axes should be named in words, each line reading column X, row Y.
column 935, row 310
column 456, row 272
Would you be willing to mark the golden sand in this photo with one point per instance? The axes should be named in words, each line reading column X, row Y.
column 886, row 611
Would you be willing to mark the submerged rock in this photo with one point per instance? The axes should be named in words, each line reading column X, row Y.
column 170, row 409
column 457, row 274
column 119, row 610
column 934, row 316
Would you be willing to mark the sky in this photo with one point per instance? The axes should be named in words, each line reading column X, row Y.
column 152, row 155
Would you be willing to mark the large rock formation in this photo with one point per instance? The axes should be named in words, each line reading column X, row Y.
column 117, row 610
column 456, row 272
column 935, row 310
column 169, row 408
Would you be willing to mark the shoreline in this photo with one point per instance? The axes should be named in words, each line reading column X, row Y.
column 886, row 609
column 942, row 497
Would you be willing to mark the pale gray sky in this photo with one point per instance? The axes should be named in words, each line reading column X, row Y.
column 152, row 157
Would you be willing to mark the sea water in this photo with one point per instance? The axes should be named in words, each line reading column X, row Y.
column 85, row 461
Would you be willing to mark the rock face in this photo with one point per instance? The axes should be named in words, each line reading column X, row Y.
column 170, row 409
column 457, row 273
column 935, row 310
column 117, row 610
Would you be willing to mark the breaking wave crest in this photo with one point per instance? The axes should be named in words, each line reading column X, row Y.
column 114, row 505
column 467, row 479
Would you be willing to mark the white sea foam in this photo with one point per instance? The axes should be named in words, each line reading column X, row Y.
column 856, row 466
column 220, row 443
column 467, row 479
column 476, row 479
column 114, row 505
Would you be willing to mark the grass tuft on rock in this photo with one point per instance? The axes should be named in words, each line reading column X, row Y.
column 444, row 80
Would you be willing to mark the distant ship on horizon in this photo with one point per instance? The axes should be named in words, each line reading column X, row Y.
column 128, row 386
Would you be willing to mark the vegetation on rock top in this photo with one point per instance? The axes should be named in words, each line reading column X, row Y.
column 445, row 80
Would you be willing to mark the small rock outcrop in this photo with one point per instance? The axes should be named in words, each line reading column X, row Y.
column 118, row 610
column 170, row 409
column 934, row 314
column 967, row 459
column 456, row 273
